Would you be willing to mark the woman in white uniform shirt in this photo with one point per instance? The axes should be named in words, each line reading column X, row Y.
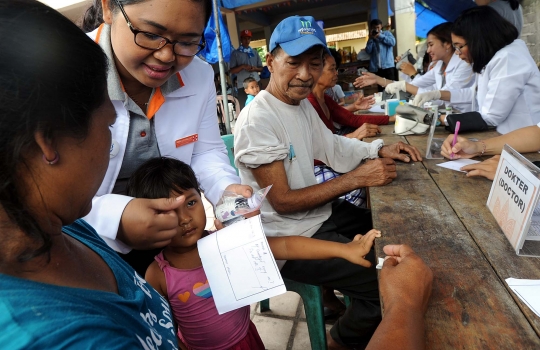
column 449, row 71
column 165, row 100
column 507, row 88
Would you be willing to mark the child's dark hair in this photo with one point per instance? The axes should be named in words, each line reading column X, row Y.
column 159, row 177
column 247, row 81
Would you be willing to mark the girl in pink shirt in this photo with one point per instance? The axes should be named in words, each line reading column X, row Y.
column 177, row 271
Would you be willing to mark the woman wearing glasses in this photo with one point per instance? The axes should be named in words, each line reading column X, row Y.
column 165, row 100
column 449, row 72
column 507, row 89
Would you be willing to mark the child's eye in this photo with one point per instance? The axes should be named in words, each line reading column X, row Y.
column 191, row 203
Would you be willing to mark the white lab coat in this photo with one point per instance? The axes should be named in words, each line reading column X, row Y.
column 188, row 110
column 507, row 92
column 459, row 75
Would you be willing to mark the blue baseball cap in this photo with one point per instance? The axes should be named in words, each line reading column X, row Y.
column 296, row 34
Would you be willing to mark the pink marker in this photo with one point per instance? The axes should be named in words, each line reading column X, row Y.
column 456, row 130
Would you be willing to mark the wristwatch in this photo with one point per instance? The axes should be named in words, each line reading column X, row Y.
column 413, row 76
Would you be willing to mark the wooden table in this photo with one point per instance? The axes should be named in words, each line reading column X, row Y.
column 443, row 216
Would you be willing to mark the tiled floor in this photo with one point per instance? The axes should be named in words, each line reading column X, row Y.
column 284, row 327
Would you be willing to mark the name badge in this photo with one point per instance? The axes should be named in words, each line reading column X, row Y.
column 186, row 140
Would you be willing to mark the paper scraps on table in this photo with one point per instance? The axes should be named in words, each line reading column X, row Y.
column 457, row 164
column 528, row 291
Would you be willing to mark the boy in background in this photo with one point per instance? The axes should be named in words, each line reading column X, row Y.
column 251, row 87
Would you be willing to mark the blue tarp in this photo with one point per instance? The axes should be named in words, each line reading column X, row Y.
column 230, row 4
column 447, row 9
column 210, row 52
column 425, row 20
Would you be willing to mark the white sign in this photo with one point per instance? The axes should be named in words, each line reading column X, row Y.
column 514, row 197
column 240, row 267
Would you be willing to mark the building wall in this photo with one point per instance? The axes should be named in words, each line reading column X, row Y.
column 531, row 27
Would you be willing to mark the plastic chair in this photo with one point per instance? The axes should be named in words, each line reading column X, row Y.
column 313, row 305
column 229, row 143
column 220, row 111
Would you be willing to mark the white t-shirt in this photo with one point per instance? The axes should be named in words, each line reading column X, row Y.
column 270, row 130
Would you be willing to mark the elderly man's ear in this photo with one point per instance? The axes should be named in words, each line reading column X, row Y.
column 270, row 62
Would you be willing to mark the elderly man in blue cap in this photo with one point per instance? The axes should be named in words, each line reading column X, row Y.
column 277, row 137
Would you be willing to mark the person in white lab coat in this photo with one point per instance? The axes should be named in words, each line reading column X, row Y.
column 165, row 100
column 507, row 88
column 448, row 73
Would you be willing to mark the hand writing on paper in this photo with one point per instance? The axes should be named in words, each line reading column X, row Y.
column 464, row 148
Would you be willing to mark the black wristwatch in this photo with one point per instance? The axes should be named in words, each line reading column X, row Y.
column 413, row 76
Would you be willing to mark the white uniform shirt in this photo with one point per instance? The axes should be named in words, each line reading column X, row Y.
column 185, row 112
column 269, row 130
column 459, row 75
column 507, row 92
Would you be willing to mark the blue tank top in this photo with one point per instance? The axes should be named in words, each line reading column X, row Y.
column 37, row 315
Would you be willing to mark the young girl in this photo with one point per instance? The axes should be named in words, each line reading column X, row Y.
column 177, row 271
column 165, row 100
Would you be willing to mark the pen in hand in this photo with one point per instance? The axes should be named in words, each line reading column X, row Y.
column 456, row 130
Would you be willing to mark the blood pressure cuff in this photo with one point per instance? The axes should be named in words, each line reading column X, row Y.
column 470, row 121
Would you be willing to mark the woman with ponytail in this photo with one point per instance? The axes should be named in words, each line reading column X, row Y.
column 165, row 100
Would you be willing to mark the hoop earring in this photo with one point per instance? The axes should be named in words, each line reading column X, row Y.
column 54, row 161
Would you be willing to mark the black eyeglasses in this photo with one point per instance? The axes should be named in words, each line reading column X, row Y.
column 151, row 41
column 458, row 48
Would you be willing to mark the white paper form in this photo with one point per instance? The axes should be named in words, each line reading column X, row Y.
column 528, row 291
column 377, row 109
column 239, row 265
column 457, row 164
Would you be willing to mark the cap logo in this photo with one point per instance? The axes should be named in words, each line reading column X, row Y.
column 306, row 28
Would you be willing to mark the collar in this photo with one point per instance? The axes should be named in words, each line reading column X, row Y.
column 114, row 83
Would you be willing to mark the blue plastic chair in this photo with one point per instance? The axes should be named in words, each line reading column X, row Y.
column 229, row 143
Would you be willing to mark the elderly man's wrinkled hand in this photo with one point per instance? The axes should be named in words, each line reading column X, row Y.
column 396, row 150
column 487, row 168
column 374, row 172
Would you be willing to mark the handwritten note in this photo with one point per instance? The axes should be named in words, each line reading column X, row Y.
column 457, row 164
column 240, row 267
